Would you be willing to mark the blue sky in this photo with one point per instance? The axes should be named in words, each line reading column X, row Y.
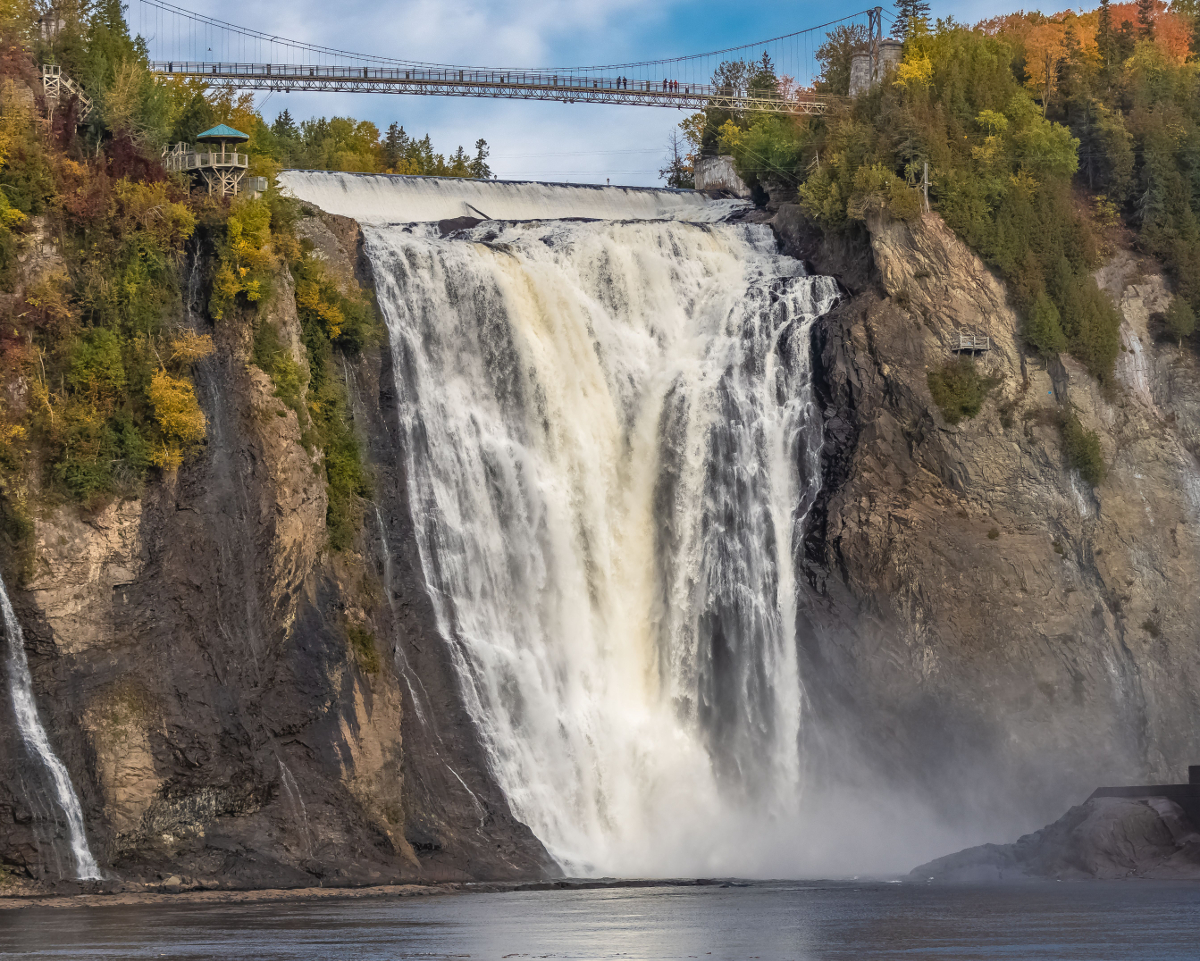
column 578, row 143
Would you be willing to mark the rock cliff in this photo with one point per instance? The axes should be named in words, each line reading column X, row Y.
column 980, row 629
column 193, row 660
column 1106, row 838
column 984, row 629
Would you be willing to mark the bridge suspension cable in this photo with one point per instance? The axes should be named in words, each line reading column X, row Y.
column 185, row 43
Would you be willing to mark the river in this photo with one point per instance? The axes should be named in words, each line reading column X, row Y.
column 765, row 921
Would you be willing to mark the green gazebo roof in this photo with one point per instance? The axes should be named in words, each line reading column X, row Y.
column 221, row 132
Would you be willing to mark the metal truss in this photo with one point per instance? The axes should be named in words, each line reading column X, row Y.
column 493, row 84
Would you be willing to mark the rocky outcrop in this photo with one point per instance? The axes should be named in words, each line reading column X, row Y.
column 192, row 659
column 1105, row 838
column 981, row 627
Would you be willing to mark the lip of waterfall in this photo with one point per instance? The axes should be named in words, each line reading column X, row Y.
column 399, row 199
column 611, row 445
column 33, row 733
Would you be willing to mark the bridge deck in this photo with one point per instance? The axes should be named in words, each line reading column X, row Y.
column 454, row 82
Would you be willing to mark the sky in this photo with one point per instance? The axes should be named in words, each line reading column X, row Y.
column 529, row 140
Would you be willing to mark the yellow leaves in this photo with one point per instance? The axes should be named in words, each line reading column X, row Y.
column 148, row 207
column 731, row 134
column 179, row 418
column 9, row 215
column 915, row 71
column 312, row 298
column 187, row 347
column 246, row 256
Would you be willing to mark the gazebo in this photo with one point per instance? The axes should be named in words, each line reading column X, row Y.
column 223, row 169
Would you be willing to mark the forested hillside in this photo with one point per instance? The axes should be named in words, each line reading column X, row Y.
column 1048, row 139
column 94, row 239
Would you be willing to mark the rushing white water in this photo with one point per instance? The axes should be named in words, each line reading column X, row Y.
column 611, row 449
column 20, row 687
column 384, row 198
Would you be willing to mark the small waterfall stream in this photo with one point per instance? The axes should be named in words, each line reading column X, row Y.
column 20, row 687
column 612, row 447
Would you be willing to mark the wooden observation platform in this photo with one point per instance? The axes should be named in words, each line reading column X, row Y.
column 966, row 341
column 221, row 169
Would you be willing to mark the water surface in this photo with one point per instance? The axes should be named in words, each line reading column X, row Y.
column 760, row 922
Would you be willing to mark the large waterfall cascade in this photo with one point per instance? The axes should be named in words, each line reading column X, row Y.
column 33, row 733
column 612, row 446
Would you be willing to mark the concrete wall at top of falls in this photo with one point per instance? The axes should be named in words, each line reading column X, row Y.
column 385, row 198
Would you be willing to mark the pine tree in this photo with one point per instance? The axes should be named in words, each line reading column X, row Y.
column 909, row 13
column 1105, row 41
column 479, row 167
column 395, row 145
column 1145, row 16
column 284, row 125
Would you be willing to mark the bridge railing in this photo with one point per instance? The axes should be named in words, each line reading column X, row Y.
column 498, row 78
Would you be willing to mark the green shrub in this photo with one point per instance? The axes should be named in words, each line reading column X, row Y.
column 1180, row 319
column 362, row 647
column 958, row 389
column 1042, row 330
column 1082, row 449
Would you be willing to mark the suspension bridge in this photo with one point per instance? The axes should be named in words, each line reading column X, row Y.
column 186, row 44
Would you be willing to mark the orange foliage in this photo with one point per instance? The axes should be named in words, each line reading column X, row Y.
column 1042, row 34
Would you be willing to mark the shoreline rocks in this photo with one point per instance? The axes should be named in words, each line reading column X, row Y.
column 1104, row 838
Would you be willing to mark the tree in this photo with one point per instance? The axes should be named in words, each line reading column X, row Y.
column 395, row 146
column 285, row 126
column 679, row 171
column 1042, row 331
column 1106, row 41
column 910, row 14
column 835, row 56
column 1145, row 15
column 478, row 166
column 1180, row 319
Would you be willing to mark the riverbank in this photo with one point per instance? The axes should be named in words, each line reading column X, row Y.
column 134, row 894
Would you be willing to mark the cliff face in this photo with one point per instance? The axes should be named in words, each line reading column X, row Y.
column 979, row 628
column 982, row 627
column 192, row 662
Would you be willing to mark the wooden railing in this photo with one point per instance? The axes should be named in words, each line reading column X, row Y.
column 185, row 160
column 968, row 340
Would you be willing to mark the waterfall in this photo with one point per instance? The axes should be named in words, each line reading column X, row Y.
column 611, row 448
column 384, row 198
column 20, row 686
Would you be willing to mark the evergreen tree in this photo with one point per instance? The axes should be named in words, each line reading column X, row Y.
column 1180, row 319
column 478, row 167
column 1106, row 41
column 395, row 146
column 909, row 13
column 1146, row 10
column 285, row 126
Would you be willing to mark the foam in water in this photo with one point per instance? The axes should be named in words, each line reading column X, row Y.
column 20, row 688
column 611, row 448
column 384, row 198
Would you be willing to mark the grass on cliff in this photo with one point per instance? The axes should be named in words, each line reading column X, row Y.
column 959, row 389
column 362, row 646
